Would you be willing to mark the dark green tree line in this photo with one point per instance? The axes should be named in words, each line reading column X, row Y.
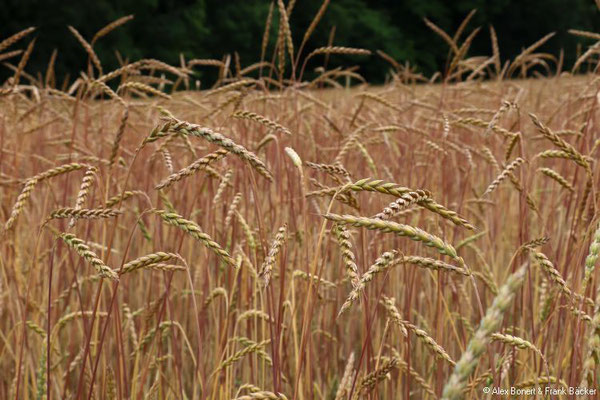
column 163, row 29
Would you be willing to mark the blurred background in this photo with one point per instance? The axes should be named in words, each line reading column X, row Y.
column 164, row 29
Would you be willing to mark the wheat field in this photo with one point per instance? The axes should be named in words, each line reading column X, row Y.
column 282, row 237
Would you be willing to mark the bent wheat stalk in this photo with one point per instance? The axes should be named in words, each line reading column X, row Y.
column 378, row 185
column 198, row 165
column 412, row 233
column 192, row 229
column 261, row 120
column 403, row 202
column 505, row 173
column 84, row 251
column 146, row 261
column 562, row 181
column 219, row 139
column 31, row 183
column 387, row 260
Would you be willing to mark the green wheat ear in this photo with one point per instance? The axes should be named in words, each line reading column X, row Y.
column 456, row 384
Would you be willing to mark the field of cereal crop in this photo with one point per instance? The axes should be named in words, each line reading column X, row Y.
column 274, row 237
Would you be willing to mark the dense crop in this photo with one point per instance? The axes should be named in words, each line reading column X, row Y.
column 277, row 238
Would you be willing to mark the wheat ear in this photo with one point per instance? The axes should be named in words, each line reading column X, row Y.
column 122, row 197
column 593, row 353
column 343, row 238
column 20, row 203
column 560, row 143
column 562, row 181
column 111, row 27
column 430, row 263
column 405, row 326
column 9, row 41
column 505, row 173
column 84, row 251
column 147, row 260
column 83, row 213
column 368, row 382
column 412, row 233
column 86, row 184
column 192, row 229
column 88, row 49
column 262, row 395
column 198, row 165
column 261, row 120
column 592, row 257
column 385, row 261
column 269, row 263
column 346, row 381
column 402, row 202
column 31, row 183
column 453, row 390
column 393, row 189
column 222, row 141
column 253, row 348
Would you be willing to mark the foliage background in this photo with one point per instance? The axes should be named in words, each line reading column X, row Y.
column 163, row 29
